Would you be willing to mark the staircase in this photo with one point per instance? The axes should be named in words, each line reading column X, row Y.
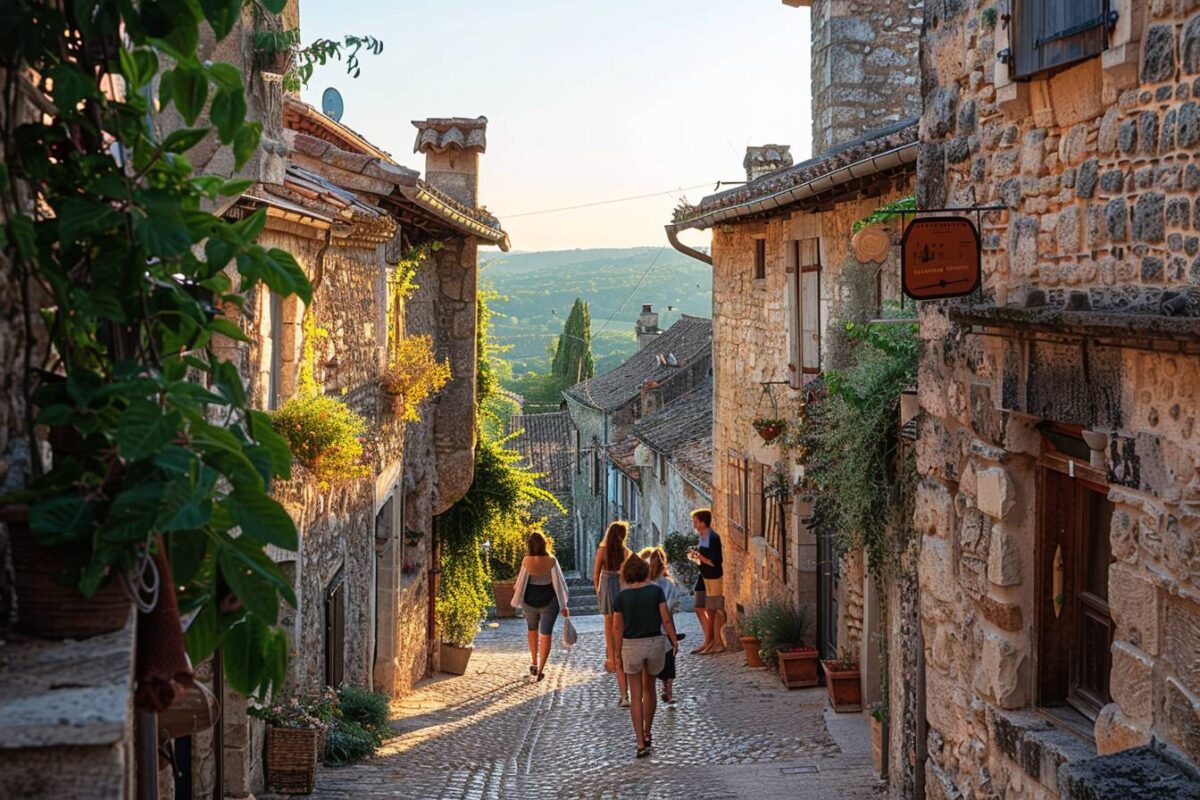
column 583, row 595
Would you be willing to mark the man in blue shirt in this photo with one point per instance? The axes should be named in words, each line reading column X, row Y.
column 710, row 593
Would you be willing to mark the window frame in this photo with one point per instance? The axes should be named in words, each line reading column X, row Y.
column 805, row 329
column 334, row 613
column 736, row 466
column 760, row 258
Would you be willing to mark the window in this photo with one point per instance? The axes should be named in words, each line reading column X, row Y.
column 273, row 383
column 335, row 630
column 760, row 259
column 1047, row 34
column 735, row 495
column 804, row 298
column 1073, row 555
column 758, row 501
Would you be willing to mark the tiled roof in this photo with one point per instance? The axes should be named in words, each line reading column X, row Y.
column 896, row 137
column 695, row 461
column 450, row 133
column 300, row 116
column 547, row 445
column 687, row 340
column 682, row 430
column 621, row 454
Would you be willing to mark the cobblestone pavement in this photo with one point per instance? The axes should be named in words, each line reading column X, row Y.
column 493, row 733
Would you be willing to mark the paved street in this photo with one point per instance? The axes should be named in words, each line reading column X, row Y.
column 734, row 733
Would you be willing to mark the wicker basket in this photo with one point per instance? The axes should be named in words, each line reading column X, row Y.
column 45, row 606
column 292, row 759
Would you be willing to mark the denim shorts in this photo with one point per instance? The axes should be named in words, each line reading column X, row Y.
column 542, row 618
column 648, row 653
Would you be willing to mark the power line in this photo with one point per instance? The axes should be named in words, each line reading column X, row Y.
column 603, row 202
column 637, row 286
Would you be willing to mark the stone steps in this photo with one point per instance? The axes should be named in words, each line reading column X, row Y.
column 583, row 594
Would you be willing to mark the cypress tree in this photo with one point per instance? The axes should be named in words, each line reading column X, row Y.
column 573, row 356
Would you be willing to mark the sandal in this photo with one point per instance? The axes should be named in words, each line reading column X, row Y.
column 540, row 675
column 643, row 752
column 649, row 743
column 624, row 702
column 533, row 669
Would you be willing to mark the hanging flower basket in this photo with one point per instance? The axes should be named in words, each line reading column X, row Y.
column 768, row 429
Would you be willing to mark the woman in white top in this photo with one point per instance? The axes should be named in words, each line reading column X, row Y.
column 542, row 591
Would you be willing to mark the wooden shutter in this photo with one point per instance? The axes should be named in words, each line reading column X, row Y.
column 810, row 306
column 1054, row 33
column 760, row 259
column 795, row 315
column 757, row 508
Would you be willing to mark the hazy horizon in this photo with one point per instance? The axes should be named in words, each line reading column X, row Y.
column 585, row 102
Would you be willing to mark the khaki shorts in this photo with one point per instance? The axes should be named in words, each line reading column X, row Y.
column 713, row 595
column 648, row 653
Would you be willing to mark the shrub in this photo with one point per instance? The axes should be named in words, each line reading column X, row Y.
column 683, row 570
column 325, row 436
column 414, row 375
column 348, row 742
column 509, row 545
column 371, row 710
column 462, row 598
column 782, row 625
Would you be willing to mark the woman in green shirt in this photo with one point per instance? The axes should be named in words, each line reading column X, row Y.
column 640, row 615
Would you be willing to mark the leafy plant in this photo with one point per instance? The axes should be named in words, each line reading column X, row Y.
column 886, row 212
column 508, row 547
column 879, row 711
column 414, row 375
column 348, row 742
column 132, row 281
column 281, row 50
column 325, row 436
column 295, row 712
column 371, row 710
column 685, row 571
column 783, row 626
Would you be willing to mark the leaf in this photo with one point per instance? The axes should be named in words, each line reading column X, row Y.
column 228, row 112
column 218, row 252
column 263, row 519
column 138, row 66
column 242, row 652
column 162, row 231
column 285, row 263
column 221, row 16
column 228, row 328
column 201, row 637
column 184, row 506
column 184, row 139
column 145, row 429
column 61, row 519
column 228, row 381
column 275, row 658
column 186, row 549
column 247, row 230
column 189, row 88
column 263, row 430
column 79, row 219
column 245, row 142
column 234, row 188
column 71, row 85
column 226, row 75
column 257, row 595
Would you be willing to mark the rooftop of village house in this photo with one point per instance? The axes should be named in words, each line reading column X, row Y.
column 687, row 339
column 783, row 187
column 681, row 431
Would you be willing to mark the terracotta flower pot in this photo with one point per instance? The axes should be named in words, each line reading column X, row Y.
column 752, row 645
column 503, row 592
column 292, row 759
column 845, row 689
column 798, row 668
column 46, row 606
column 454, row 659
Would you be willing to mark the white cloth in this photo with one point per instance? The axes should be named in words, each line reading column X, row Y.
column 556, row 578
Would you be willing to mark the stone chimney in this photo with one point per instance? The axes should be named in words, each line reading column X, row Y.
column 766, row 159
column 452, row 146
column 647, row 326
column 865, row 67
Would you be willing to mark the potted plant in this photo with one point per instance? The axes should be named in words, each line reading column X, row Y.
column 786, row 631
column 325, row 435
column 413, row 375
column 295, row 734
column 842, row 682
column 768, row 428
column 505, row 552
column 751, row 637
column 878, row 717
column 460, row 608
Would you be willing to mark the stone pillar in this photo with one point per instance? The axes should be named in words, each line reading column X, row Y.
column 452, row 146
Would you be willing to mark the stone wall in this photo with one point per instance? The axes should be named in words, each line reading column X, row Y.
column 864, row 67
column 751, row 321
column 1095, row 167
column 589, row 505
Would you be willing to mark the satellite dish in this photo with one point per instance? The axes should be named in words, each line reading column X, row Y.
column 332, row 105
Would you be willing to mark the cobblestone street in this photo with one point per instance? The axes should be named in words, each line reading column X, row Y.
column 492, row 733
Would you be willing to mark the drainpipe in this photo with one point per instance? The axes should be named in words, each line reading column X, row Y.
column 673, row 238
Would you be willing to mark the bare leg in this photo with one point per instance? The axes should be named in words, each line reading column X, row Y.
column 718, row 631
column 709, row 642
column 668, row 690
column 649, row 700
column 635, row 707
column 702, row 615
column 533, row 634
column 544, row 640
column 609, row 643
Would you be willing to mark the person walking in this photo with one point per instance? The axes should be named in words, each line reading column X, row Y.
column 660, row 576
column 541, row 591
column 710, row 592
column 606, row 576
column 641, row 615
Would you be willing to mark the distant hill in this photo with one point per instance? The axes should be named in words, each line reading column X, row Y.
column 538, row 288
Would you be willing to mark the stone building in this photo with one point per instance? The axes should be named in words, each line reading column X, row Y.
column 781, row 260
column 1059, row 500
column 603, row 411
column 547, row 443
column 669, row 456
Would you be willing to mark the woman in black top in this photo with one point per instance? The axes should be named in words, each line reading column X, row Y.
column 640, row 616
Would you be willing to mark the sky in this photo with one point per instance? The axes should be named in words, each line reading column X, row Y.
column 586, row 101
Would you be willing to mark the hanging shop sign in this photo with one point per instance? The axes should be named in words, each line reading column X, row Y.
column 940, row 258
column 871, row 244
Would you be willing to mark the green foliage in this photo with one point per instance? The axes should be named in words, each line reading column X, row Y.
column 509, row 544
column 348, row 742
column 325, row 436
column 134, row 274
column 370, row 709
column 684, row 571
column 850, row 437
column 779, row 625
column 886, row 212
column 573, row 356
column 414, row 374
column 276, row 49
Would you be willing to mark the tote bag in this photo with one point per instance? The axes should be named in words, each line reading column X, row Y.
column 569, row 634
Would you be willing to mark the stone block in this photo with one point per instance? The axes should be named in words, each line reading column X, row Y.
column 1004, row 615
column 1116, row 216
column 1132, row 682
column 1087, row 178
column 1149, row 221
column 1189, row 46
column 995, row 494
column 1002, row 673
column 936, row 569
column 1158, row 54
column 934, row 510
column 1133, row 602
column 1114, row 732
column 1004, row 558
column 1144, row 773
column 1076, row 93
column 1181, row 641
column 1183, row 718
